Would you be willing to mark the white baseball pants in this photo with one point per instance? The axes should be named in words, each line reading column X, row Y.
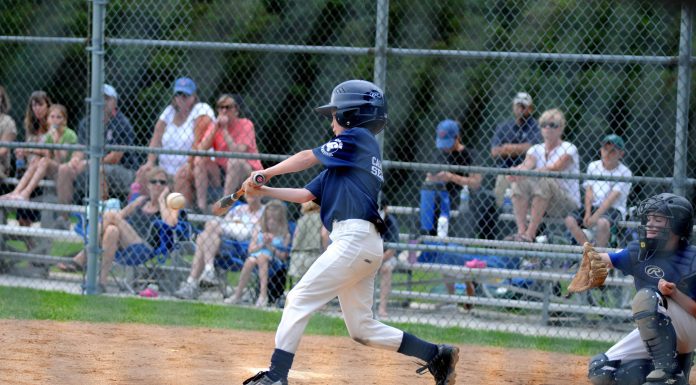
column 346, row 269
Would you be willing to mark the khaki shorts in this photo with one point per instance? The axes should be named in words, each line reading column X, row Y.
column 560, row 202
column 501, row 184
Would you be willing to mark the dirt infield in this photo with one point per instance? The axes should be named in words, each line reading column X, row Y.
column 47, row 352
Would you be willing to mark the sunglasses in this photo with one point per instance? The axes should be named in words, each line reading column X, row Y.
column 553, row 125
column 226, row 107
column 181, row 94
column 160, row 182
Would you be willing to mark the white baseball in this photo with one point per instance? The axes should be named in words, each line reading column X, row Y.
column 176, row 201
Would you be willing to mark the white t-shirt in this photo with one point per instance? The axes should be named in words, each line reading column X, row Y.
column 179, row 137
column 239, row 222
column 570, row 186
column 602, row 188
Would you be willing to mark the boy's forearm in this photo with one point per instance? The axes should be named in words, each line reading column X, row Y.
column 298, row 162
column 296, row 195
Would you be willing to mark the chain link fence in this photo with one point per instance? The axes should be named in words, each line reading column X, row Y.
column 501, row 117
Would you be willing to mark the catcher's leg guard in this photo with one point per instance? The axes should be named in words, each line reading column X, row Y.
column 602, row 371
column 633, row 372
column 658, row 335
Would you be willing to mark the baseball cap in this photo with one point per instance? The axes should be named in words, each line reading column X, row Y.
column 185, row 85
column 522, row 98
column 110, row 91
column 615, row 140
column 447, row 131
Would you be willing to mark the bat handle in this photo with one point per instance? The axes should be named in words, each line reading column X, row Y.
column 259, row 179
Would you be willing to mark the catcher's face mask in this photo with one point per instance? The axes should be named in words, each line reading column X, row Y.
column 654, row 232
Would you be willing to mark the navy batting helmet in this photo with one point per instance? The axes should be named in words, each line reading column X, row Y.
column 358, row 103
column 678, row 210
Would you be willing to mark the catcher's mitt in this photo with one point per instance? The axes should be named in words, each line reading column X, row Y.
column 592, row 272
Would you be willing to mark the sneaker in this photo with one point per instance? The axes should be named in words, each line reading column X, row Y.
column 661, row 377
column 261, row 378
column 209, row 279
column 442, row 365
column 186, row 291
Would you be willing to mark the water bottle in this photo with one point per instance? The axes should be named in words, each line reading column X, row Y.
column 134, row 191
column 465, row 217
column 507, row 201
column 20, row 167
column 442, row 226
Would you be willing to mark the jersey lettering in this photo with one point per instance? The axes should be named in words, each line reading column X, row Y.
column 377, row 168
column 332, row 146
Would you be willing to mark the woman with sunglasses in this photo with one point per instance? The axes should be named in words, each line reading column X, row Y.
column 127, row 235
column 229, row 133
column 179, row 127
column 539, row 196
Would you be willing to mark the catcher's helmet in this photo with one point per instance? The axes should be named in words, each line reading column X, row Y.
column 358, row 103
column 678, row 210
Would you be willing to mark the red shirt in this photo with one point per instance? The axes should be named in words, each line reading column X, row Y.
column 242, row 132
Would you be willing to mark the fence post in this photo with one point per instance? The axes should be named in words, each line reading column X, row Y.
column 381, row 37
column 96, row 137
column 683, row 91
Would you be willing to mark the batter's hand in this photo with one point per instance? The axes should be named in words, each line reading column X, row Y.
column 665, row 287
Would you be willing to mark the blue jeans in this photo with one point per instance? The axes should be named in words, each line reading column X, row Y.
column 429, row 200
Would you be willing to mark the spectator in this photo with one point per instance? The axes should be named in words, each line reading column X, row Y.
column 512, row 139
column 605, row 201
column 8, row 132
column 389, row 259
column 35, row 129
column 126, row 234
column 118, row 167
column 179, row 127
column 557, row 197
column 59, row 133
column 269, row 243
column 445, row 186
column 230, row 133
column 238, row 224
column 308, row 242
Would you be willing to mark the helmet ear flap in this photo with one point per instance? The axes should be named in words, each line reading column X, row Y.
column 345, row 117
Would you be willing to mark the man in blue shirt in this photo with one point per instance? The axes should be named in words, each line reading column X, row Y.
column 663, row 266
column 347, row 192
column 512, row 139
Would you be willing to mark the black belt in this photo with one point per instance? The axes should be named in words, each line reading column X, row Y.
column 379, row 225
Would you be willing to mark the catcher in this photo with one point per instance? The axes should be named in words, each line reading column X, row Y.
column 663, row 265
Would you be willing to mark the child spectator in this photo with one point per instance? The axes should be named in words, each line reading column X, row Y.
column 307, row 243
column 59, row 133
column 605, row 201
column 269, row 243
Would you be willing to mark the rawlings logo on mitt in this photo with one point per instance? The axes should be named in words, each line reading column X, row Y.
column 592, row 272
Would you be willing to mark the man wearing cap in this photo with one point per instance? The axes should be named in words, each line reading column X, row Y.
column 118, row 167
column 512, row 139
column 605, row 201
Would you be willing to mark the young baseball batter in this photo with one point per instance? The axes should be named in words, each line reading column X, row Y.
column 347, row 192
column 663, row 265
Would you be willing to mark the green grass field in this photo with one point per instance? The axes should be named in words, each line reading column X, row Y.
column 20, row 303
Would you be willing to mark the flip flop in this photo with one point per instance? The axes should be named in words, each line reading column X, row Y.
column 70, row 267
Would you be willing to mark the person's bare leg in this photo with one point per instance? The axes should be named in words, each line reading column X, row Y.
column 212, row 241
column 200, row 176
column 244, row 277
column 572, row 226
column 539, row 206
column 46, row 167
column 109, row 247
column 263, row 260
column 237, row 172
column 602, row 232
column 24, row 181
column 384, row 289
column 183, row 183
column 520, row 207
column 67, row 176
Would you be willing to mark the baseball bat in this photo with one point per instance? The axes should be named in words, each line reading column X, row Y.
column 222, row 206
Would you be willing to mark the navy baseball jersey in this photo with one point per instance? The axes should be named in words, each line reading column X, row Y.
column 679, row 268
column 348, row 187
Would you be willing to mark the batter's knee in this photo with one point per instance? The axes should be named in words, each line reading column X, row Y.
column 602, row 371
column 645, row 303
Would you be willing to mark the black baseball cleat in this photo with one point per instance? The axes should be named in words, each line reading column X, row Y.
column 442, row 365
column 261, row 378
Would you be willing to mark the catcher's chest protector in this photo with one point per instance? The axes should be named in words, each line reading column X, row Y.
column 679, row 268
